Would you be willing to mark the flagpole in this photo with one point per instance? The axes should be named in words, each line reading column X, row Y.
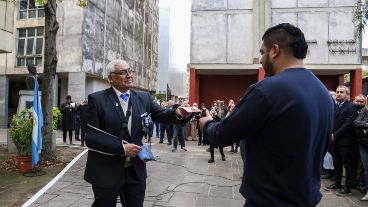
column 36, row 131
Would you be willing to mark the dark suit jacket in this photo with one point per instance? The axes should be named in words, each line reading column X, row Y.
column 343, row 124
column 105, row 113
column 68, row 117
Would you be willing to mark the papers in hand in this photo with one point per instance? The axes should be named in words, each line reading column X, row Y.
column 192, row 109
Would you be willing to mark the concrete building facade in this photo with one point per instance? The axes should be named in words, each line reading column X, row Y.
column 226, row 37
column 88, row 38
column 6, row 26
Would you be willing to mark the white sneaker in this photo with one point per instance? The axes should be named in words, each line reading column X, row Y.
column 365, row 198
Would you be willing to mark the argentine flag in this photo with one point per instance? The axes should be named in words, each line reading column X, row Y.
column 37, row 125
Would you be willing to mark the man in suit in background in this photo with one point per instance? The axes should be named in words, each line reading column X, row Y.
column 118, row 110
column 343, row 143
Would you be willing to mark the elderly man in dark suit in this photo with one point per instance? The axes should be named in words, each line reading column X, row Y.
column 117, row 111
column 343, row 143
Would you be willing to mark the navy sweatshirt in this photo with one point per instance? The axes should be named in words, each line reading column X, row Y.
column 287, row 121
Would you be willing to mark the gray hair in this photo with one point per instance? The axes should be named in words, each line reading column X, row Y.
column 345, row 88
column 110, row 67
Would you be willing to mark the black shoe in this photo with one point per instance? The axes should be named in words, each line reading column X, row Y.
column 77, row 139
column 327, row 176
column 344, row 192
column 199, row 144
column 363, row 190
column 223, row 158
column 232, row 150
column 161, row 142
column 169, row 143
column 333, row 187
column 211, row 160
column 236, row 151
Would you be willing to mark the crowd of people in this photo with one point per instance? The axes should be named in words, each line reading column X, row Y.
column 349, row 144
column 178, row 132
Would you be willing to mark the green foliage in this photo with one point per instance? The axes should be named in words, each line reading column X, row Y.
column 21, row 127
column 360, row 17
column 161, row 97
column 21, row 132
column 56, row 115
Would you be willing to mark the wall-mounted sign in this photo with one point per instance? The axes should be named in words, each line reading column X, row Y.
column 342, row 51
column 311, row 41
column 339, row 42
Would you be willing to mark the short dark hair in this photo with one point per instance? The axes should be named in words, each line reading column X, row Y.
column 68, row 97
column 287, row 36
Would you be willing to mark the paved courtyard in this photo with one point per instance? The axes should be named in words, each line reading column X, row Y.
column 176, row 179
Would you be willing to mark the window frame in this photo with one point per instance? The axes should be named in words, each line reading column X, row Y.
column 24, row 56
column 37, row 10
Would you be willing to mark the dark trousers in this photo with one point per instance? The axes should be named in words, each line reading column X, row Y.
column 157, row 125
column 77, row 127
column 179, row 135
column 83, row 131
column 130, row 189
column 212, row 151
column 70, row 135
column 169, row 132
column 344, row 156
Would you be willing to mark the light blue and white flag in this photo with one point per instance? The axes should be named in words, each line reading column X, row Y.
column 37, row 125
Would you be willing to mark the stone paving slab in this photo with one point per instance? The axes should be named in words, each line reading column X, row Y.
column 178, row 179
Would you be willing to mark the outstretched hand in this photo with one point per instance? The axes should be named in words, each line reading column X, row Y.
column 180, row 112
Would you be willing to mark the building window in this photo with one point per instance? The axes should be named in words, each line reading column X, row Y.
column 29, row 46
column 30, row 9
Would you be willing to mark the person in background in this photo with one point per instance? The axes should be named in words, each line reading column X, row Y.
column 361, row 130
column 83, row 119
column 77, row 120
column 217, row 115
column 343, row 143
column 67, row 110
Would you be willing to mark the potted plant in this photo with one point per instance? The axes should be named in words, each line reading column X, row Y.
column 21, row 133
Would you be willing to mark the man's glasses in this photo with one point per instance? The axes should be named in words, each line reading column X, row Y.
column 124, row 72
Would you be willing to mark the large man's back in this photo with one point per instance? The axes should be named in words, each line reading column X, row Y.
column 284, row 157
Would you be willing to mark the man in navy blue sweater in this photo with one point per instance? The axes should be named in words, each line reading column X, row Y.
column 287, row 128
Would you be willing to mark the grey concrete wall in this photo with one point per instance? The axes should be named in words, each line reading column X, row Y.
column 95, row 84
column 208, row 38
column 6, row 26
column 69, row 42
column 4, row 94
column 76, row 85
column 334, row 24
column 122, row 29
column 205, row 5
column 222, row 32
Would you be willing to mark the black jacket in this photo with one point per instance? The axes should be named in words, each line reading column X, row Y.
column 343, row 129
column 104, row 112
column 68, row 117
column 360, row 126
